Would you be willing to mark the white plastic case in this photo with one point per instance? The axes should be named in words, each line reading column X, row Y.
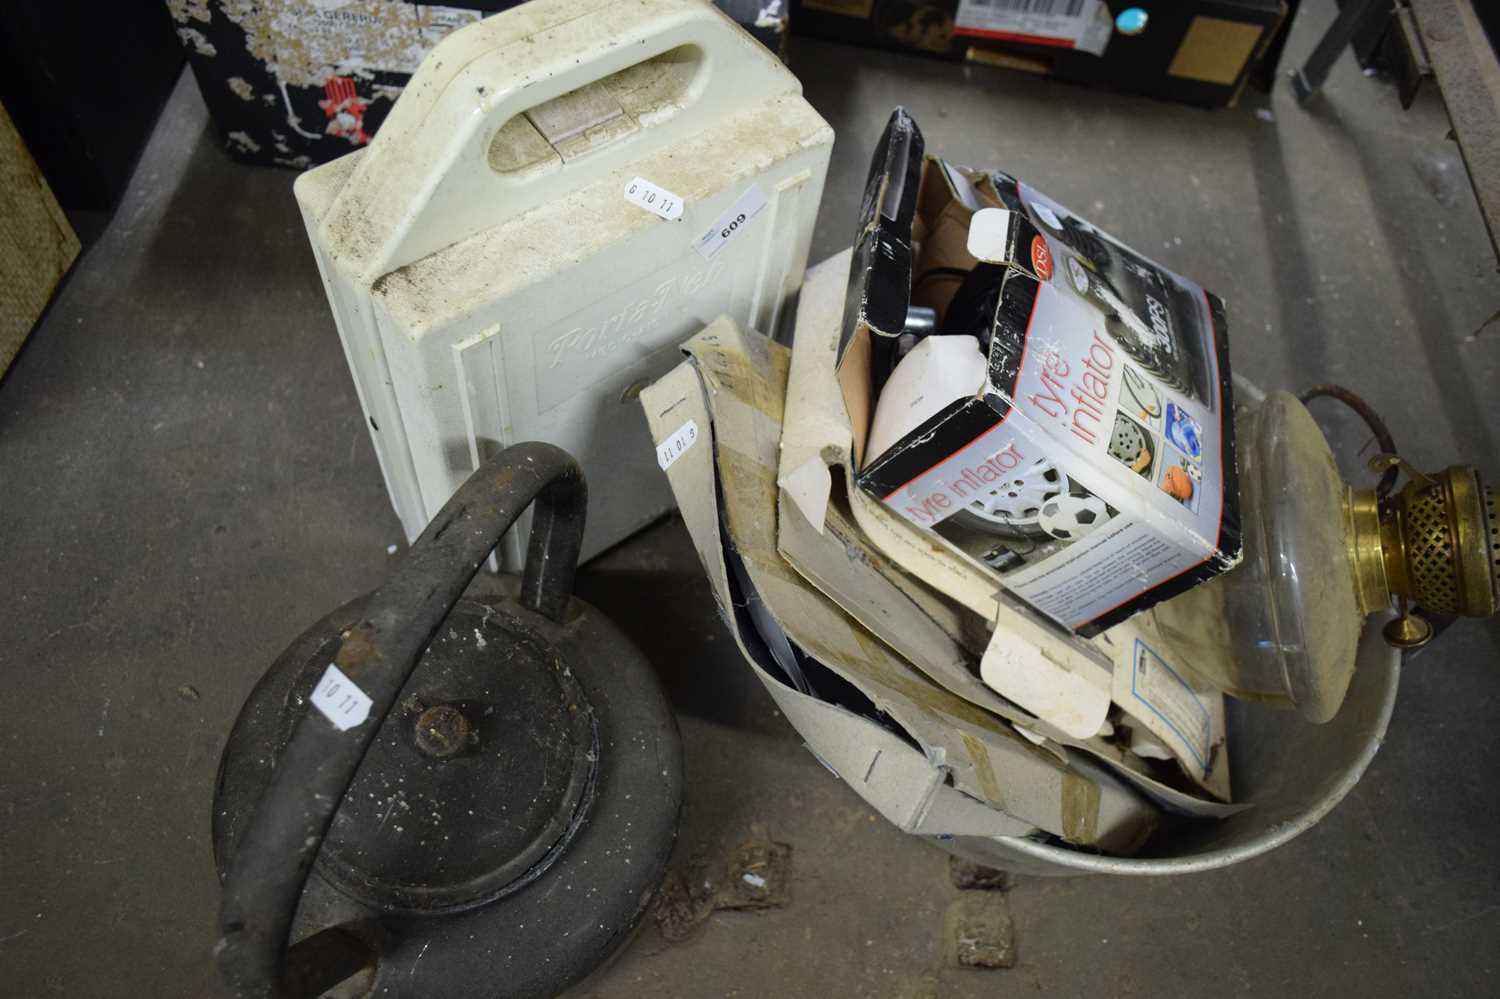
column 497, row 273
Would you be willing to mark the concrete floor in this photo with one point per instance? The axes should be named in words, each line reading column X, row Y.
column 185, row 483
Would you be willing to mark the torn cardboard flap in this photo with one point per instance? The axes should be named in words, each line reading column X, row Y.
column 816, row 433
column 985, row 757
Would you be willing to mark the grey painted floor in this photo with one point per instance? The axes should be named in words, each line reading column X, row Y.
column 185, row 484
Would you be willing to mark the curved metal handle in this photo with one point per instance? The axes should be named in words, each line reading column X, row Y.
column 276, row 852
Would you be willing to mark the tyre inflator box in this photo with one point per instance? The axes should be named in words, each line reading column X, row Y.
column 1089, row 468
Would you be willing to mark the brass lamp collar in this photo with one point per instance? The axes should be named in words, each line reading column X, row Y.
column 1434, row 543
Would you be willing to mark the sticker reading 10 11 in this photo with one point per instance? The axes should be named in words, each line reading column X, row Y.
column 340, row 699
column 656, row 200
column 676, row 446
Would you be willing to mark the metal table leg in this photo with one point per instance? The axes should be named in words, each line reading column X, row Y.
column 1355, row 13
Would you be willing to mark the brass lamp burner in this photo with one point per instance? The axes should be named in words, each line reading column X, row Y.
column 1434, row 543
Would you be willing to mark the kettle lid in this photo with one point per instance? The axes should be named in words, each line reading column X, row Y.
column 478, row 778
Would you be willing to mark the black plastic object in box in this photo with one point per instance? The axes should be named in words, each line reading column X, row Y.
column 880, row 276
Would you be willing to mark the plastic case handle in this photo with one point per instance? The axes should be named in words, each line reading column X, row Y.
column 277, row 850
column 425, row 182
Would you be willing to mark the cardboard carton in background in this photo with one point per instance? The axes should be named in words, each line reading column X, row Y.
column 1198, row 52
column 37, row 245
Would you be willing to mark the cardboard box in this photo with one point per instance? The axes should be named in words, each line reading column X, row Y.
column 1091, row 466
column 295, row 83
column 1057, row 688
column 1197, row 52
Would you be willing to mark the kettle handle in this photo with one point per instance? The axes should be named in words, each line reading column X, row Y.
column 275, row 853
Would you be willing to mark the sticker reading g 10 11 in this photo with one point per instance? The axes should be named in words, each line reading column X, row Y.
column 655, row 200
column 676, row 446
column 340, row 699
column 731, row 223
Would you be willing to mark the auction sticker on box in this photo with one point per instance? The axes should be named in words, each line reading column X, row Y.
column 1084, row 25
